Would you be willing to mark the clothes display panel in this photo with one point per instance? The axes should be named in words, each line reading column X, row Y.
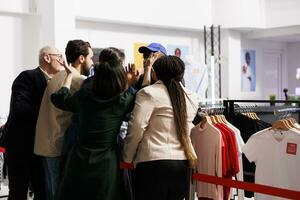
column 218, row 143
column 260, row 138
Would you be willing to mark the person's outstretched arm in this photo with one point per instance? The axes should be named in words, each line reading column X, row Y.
column 62, row 99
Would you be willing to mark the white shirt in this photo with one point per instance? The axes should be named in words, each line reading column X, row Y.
column 277, row 158
column 240, row 177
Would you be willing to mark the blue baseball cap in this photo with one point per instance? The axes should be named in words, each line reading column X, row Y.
column 154, row 47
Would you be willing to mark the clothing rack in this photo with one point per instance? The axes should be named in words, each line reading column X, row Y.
column 208, row 109
column 213, row 109
column 230, row 108
column 286, row 110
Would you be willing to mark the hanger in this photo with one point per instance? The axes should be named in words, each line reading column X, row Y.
column 280, row 125
column 218, row 116
column 251, row 115
column 213, row 119
column 247, row 113
column 255, row 116
column 289, row 123
column 297, row 126
column 223, row 116
column 292, row 122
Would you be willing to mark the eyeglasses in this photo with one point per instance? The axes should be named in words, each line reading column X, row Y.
column 60, row 56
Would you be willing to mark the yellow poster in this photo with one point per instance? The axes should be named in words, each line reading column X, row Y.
column 138, row 57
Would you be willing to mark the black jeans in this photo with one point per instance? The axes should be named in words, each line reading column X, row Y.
column 23, row 169
column 161, row 180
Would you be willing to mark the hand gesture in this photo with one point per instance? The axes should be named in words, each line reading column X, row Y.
column 66, row 66
column 132, row 74
column 152, row 58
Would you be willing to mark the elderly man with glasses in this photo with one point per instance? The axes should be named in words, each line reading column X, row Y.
column 18, row 137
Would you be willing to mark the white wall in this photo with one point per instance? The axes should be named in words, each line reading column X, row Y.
column 238, row 13
column 232, row 45
column 261, row 46
column 101, row 35
column 18, row 51
column 281, row 13
column 230, row 48
column 293, row 58
column 16, row 6
column 188, row 14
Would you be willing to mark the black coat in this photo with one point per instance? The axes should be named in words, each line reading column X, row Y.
column 27, row 93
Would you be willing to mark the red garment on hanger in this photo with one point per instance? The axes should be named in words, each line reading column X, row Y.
column 230, row 161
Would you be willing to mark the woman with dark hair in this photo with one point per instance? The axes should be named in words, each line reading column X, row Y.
column 159, row 134
column 111, row 53
column 92, row 168
column 107, row 54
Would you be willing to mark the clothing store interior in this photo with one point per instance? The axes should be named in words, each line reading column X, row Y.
column 220, row 80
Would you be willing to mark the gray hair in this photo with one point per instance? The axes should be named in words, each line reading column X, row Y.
column 43, row 51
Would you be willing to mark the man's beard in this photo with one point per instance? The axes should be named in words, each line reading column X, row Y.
column 84, row 70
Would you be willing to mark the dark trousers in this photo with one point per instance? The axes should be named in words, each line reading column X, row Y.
column 24, row 169
column 161, row 180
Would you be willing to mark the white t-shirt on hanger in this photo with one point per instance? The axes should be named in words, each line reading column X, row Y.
column 277, row 158
column 240, row 175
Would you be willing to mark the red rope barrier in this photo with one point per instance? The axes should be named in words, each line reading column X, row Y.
column 2, row 150
column 124, row 165
column 237, row 184
column 248, row 186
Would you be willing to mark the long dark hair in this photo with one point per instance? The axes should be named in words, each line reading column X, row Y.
column 170, row 70
column 110, row 79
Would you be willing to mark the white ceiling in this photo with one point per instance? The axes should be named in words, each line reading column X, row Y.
column 281, row 34
column 285, row 38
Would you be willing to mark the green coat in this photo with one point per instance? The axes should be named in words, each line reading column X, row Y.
column 92, row 169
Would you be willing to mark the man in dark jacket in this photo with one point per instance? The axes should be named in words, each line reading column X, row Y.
column 19, row 130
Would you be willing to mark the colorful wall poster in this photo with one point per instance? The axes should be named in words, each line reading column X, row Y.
column 138, row 57
column 248, row 70
column 180, row 51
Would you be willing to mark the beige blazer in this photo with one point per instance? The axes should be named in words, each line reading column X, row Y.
column 152, row 133
column 53, row 122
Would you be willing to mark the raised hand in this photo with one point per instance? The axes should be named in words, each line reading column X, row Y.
column 152, row 58
column 68, row 79
column 66, row 66
column 132, row 74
